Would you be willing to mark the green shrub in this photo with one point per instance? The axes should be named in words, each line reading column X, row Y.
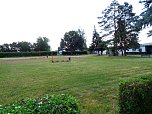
column 26, row 54
column 135, row 96
column 134, row 53
column 74, row 53
column 55, row 104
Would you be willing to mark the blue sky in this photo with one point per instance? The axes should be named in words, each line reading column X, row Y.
column 26, row 20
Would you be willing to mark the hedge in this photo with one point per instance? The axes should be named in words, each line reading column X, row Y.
column 135, row 96
column 74, row 53
column 55, row 104
column 25, row 54
column 135, row 53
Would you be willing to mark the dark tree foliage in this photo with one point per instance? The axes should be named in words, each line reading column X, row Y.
column 5, row 48
column 97, row 43
column 14, row 47
column 23, row 46
column 108, row 22
column 119, row 22
column 127, row 32
column 95, row 40
column 42, row 44
column 82, row 35
column 73, row 40
column 146, row 15
column 62, row 44
column 121, row 34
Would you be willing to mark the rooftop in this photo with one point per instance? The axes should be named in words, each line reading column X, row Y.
column 147, row 44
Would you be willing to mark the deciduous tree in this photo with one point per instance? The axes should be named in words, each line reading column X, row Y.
column 14, row 47
column 42, row 44
column 97, row 43
column 73, row 40
column 24, row 46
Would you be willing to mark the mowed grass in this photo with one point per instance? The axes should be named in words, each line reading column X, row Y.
column 93, row 80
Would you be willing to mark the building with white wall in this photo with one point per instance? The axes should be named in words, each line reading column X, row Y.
column 144, row 48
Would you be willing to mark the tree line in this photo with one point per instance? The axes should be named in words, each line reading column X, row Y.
column 120, row 28
column 24, row 46
column 72, row 41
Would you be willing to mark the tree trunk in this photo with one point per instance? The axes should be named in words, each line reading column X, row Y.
column 115, row 36
column 122, row 53
column 125, row 49
column 101, row 52
column 98, row 53
column 115, row 48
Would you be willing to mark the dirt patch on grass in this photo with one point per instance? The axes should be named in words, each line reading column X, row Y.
column 66, row 58
column 23, row 60
column 38, row 59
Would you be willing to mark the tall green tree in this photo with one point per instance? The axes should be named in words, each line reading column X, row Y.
column 62, row 44
column 127, row 32
column 146, row 15
column 97, row 43
column 121, row 34
column 73, row 40
column 42, row 44
column 82, row 35
column 108, row 22
column 119, row 22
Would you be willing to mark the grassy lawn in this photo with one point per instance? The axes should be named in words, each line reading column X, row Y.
column 92, row 79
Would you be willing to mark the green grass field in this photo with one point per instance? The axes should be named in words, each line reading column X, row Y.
column 93, row 80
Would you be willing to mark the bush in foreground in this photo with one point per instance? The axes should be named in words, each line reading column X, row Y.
column 135, row 96
column 55, row 104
